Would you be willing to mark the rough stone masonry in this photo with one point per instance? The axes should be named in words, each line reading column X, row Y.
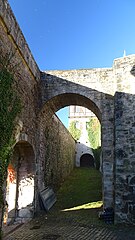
column 109, row 93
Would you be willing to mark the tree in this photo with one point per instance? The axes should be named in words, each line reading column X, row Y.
column 94, row 133
column 10, row 106
column 75, row 132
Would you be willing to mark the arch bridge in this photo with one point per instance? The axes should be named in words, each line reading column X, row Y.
column 87, row 88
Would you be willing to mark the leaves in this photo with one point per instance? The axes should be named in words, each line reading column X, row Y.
column 94, row 132
column 75, row 132
column 10, row 106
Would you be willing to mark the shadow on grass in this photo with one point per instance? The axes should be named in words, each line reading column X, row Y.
column 80, row 197
column 85, row 216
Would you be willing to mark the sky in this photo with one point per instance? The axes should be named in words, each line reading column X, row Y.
column 76, row 34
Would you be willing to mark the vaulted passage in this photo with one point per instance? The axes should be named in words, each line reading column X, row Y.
column 86, row 160
column 20, row 183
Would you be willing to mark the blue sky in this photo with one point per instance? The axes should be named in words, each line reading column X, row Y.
column 74, row 34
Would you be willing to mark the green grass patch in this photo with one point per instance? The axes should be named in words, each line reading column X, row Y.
column 83, row 186
column 80, row 196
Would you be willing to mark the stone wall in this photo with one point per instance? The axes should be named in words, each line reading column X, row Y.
column 125, row 157
column 56, row 150
column 14, row 39
column 82, row 149
column 125, row 141
column 27, row 74
column 99, row 79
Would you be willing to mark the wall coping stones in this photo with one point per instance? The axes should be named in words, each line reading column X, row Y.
column 17, row 37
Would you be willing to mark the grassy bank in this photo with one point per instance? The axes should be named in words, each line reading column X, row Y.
column 80, row 196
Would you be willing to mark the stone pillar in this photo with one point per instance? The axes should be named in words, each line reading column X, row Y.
column 107, row 134
column 124, row 158
column 125, row 140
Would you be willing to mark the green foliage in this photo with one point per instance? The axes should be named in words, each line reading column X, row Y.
column 10, row 106
column 75, row 132
column 97, row 153
column 94, row 132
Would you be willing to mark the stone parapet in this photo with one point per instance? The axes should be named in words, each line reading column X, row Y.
column 16, row 36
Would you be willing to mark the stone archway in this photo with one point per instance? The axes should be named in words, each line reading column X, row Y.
column 66, row 93
column 20, row 183
column 60, row 90
column 87, row 160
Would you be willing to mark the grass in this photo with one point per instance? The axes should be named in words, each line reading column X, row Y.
column 80, row 196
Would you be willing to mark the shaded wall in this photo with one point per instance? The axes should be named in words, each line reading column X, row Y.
column 125, row 158
column 124, row 181
column 27, row 76
column 56, row 151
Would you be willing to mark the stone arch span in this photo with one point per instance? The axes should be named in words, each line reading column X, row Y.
column 57, row 93
column 67, row 99
column 54, row 88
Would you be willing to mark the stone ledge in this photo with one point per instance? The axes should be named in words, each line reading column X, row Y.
column 14, row 31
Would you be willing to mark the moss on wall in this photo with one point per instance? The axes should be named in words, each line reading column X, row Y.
column 58, row 149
